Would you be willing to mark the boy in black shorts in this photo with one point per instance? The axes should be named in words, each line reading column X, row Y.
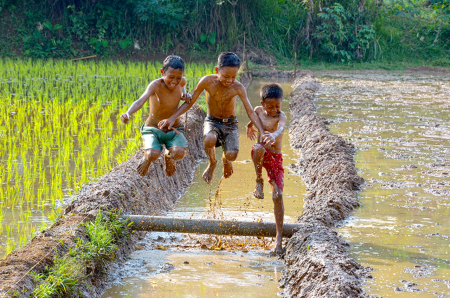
column 221, row 126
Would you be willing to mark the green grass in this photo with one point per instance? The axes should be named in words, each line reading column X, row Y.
column 70, row 270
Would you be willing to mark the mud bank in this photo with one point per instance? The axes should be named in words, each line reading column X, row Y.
column 273, row 73
column 121, row 189
column 317, row 260
column 422, row 69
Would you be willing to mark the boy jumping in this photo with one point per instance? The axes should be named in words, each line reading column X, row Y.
column 164, row 94
column 221, row 126
column 268, row 153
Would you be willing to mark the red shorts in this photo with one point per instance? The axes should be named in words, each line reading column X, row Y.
column 273, row 163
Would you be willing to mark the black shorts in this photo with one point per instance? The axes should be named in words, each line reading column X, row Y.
column 226, row 131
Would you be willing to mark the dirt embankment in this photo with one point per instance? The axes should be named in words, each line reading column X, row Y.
column 273, row 73
column 317, row 260
column 121, row 189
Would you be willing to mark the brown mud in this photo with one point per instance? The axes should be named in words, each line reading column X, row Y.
column 316, row 258
column 422, row 69
column 273, row 73
column 121, row 189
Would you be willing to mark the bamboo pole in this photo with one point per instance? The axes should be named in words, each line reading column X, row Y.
column 87, row 57
column 207, row 226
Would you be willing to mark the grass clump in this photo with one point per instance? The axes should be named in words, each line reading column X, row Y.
column 82, row 259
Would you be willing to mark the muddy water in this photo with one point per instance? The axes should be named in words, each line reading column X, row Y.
column 400, row 124
column 181, row 265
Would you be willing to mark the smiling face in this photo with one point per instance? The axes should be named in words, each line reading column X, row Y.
column 227, row 75
column 272, row 106
column 172, row 77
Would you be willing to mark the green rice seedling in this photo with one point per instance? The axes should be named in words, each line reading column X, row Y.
column 67, row 115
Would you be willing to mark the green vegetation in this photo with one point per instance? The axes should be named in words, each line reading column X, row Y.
column 59, row 129
column 83, row 258
column 324, row 31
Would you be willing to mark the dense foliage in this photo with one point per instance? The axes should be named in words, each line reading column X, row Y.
column 318, row 30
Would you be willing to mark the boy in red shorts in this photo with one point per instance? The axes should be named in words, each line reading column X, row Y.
column 268, row 153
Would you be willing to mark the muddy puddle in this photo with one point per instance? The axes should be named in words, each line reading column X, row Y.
column 187, row 265
column 400, row 124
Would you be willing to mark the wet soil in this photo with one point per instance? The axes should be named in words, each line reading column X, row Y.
column 399, row 122
column 272, row 73
column 317, row 259
column 121, row 189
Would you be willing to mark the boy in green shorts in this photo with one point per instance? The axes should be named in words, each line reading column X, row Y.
column 164, row 95
column 221, row 126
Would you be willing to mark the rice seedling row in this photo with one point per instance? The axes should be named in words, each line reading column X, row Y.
column 60, row 129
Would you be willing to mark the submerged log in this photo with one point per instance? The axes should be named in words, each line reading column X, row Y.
column 208, row 226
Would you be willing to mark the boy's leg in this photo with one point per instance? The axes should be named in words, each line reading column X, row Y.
column 230, row 145
column 152, row 149
column 177, row 147
column 170, row 158
column 209, row 142
column 277, row 197
column 227, row 158
column 258, row 152
column 150, row 155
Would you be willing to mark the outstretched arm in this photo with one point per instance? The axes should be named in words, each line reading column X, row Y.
column 248, row 108
column 185, row 106
column 138, row 104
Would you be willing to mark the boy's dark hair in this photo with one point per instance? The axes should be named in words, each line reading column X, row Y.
column 228, row 59
column 173, row 61
column 271, row 91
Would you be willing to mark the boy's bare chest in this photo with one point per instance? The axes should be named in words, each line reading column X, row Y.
column 166, row 99
column 221, row 94
column 269, row 123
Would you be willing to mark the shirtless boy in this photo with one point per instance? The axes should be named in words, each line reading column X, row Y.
column 268, row 153
column 164, row 95
column 221, row 126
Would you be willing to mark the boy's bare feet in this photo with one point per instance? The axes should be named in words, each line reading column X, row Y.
column 259, row 191
column 142, row 168
column 278, row 248
column 170, row 165
column 208, row 173
column 227, row 167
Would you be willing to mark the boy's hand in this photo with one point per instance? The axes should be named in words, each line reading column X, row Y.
column 251, row 132
column 268, row 139
column 166, row 123
column 125, row 117
column 186, row 97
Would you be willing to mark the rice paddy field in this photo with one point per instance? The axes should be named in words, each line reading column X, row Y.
column 60, row 129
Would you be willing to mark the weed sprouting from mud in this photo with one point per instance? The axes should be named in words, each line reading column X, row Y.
column 83, row 258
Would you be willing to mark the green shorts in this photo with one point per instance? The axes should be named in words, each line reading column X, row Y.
column 154, row 138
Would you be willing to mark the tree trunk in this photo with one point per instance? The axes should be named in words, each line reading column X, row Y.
column 436, row 39
column 308, row 24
